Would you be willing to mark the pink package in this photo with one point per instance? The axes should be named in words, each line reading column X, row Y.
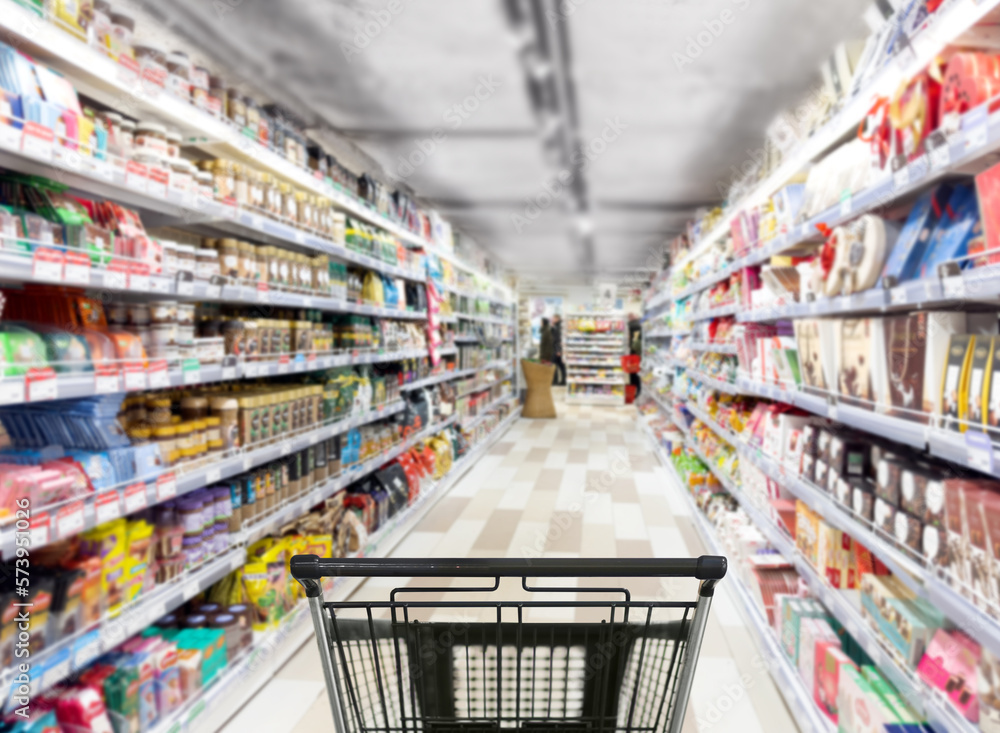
column 826, row 684
column 82, row 710
column 950, row 664
column 168, row 675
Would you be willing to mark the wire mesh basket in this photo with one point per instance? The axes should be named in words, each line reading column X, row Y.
column 626, row 666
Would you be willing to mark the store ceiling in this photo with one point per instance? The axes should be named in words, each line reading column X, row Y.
column 389, row 87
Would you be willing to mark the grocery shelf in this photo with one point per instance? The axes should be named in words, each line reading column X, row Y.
column 658, row 333
column 51, row 524
column 725, row 433
column 99, row 77
column 74, row 653
column 843, row 605
column 464, row 421
column 596, row 380
column 717, row 312
column 139, row 376
column 913, row 572
column 717, row 384
column 785, row 675
column 482, row 318
column 712, row 346
column 948, row 24
column 659, row 400
column 945, row 444
column 243, row 678
column 982, row 283
column 716, row 277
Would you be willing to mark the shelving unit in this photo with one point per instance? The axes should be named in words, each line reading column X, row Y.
column 593, row 346
column 489, row 303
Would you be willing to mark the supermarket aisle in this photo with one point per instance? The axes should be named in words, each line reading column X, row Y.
column 515, row 503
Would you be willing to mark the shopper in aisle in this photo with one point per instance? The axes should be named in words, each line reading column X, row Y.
column 546, row 350
column 635, row 348
column 560, row 376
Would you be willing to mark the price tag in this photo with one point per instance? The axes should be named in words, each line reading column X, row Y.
column 845, row 206
column 105, row 379
column 158, row 376
column 138, row 278
column 107, row 507
column 185, row 283
column 155, row 613
column 286, row 448
column 283, row 364
column 190, row 591
column 166, row 487
column 213, row 291
column 137, row 176
column 832, row 412
column 248, row 463
column 263, row 294
column 979, row 451
column 87, row 651
column 212, row 475
column 57, row 669
column 135, row 498
column 38, row 532
column 36, row 141
column 156, row 186
column 69, row 520
column 300, row 237
column 116, row 276
column 134, row 376
column 954, row 287
column 940, row 150
column 251, row 369
column 47, row 264
column 228, row 373
column 10, row 137
column 975, row 127
column 41, row 384
column 76, row 271
column 191, row 371
column 901, row 178
column 898, row 296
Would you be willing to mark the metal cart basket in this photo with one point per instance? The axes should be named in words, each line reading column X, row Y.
column 631, row 669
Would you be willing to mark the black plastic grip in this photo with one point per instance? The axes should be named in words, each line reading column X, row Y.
column 311, row 567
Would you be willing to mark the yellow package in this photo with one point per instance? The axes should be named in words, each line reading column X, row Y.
column 108, row 542
column 137, row 566
column 294, row 545
column 67, row 14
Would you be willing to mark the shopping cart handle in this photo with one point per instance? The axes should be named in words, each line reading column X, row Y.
column 311, row 568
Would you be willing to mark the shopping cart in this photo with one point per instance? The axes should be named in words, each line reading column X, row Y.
column 630, row 671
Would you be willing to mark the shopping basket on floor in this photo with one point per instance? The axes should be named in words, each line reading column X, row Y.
column 631, row 363
column 631, row 670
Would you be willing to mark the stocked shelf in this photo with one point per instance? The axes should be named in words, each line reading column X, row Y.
column 101, row 78
column 469, row 422
column 715, row 348
column 948, row 24
column 244, row 677
column 718, row 312
column 787, row 679
column 51, row 524
column 716, row 384
column 585, row 380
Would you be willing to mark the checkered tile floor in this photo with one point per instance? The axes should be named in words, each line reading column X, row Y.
column 583, row 485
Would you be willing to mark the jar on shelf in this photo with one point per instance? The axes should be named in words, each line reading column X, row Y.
column 248, row 261
column 218, row 97
column 289, row 211
column 163, row 311
column 151, row 137
column 255, row 189
column 122, row 31
column 150, row 56
column 162, row 335
column 186, row 261
column 206, row 263
column 261, row 260
column 200, row 84
column 179, row 68
column 234, row 335
column 213, row 434
column 273, row 266
column 127, row 128
column 181, row 175
column 253, row 115
column 226, row 410
column 194, row 407
column 240, row 186
column 229, row 257
column 169, row 257
column 174, row 139
column 185, row 314
column 185, row 451
column 251, row 339
column 199, row 439
column 206, row 184
column 272, row 195
column 117, row 313
column 236, row 108
column 166, row 437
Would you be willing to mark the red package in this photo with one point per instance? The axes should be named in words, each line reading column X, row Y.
column 988, row 188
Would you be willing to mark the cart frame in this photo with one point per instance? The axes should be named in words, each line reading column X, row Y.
column 334, row 634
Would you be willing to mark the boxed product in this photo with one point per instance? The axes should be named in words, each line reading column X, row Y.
column 950, row 665
column 831, row 663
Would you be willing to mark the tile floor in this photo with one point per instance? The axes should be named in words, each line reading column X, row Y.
column 527, row 498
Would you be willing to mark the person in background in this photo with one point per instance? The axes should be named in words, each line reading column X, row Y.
column 635, row 348
column 557, row 344
column 546, row 351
